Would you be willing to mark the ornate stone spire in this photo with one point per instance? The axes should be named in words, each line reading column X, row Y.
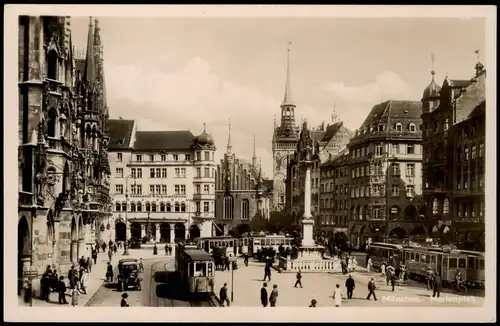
column 334, row 115
column 229, row 146
column 89, row 74
column 254, row 157
column 287, row 100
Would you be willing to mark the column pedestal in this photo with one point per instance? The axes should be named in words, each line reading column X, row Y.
column 143, row 231
column 307, row 231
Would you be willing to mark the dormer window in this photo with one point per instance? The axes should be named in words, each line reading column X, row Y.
column 412, row 127
column 380, row 127
column 399, row 127
column 119, row 141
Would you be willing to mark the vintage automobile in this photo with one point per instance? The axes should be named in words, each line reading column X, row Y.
column 128, row 274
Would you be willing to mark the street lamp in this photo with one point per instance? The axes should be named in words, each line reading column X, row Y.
column 232, row 282
column 125, row 246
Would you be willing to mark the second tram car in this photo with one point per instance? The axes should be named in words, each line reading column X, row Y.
column 196, row 269
column 386, row 253
column 207, row 244
column 256, row 243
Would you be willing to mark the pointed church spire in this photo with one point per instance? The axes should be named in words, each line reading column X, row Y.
column 254, row 157
column 334, row 114
column 432, row 71
column 89, row 74
column 229, row 146
column 287, row 100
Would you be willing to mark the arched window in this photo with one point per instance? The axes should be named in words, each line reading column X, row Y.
column 412, row 127
column 228, row 207
column 153, row 207
column 52, row 65
column 177, row 207
column 399, row 127
column 169, row 207
column 353, row 213
column 245, row 210
column 139, row 206
column 446, row 206
column 183, row 207
column 132, row 207
column 435, row 206
column 118, row 207
column 52, row 123
column 162, row 207
column 361, row 212
column 148, row 207
column 124, row 206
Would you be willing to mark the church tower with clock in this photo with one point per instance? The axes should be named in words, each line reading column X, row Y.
column 285, row 139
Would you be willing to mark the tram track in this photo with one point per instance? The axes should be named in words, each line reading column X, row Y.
column 163, row 294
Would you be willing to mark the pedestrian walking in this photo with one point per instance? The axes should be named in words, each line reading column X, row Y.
column 94, row 255
column 274, row 296
column 430, row 278
column 313, row 303
column 371, row 289
column 103, row 246
column 61, row 290
column 393, row 281
column 350, row 285
column 110, row 254
column 75, row 295
column 89, row 265
column 263, row 295
column 246, row 260
column 382, row 269
column 109, row 273
column 223, row 295
column 155, row 249
column 84, row 282
column 166, row 249
column 115, row 248
column 438, row 285
column 45, row 284
column 299, row 279
column 388, row 274
column 169, row 250
column 337, row 295
column 28, row 292
column 141, row 266
column 369, row 264
column 123, row 302
column 71, row 276
column 267, row 272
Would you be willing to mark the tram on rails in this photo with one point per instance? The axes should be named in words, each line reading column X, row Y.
column 206, row 244
column 444, row 261
column 256, row 243
column 195, row 268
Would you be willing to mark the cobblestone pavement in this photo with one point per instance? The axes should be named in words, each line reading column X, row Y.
column 97, row 277
column 248, row 282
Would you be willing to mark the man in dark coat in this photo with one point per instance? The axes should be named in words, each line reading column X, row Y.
column 71, row 276
column 393, row 281
column 299, row 279
column 45, row 282
column 438, row 285
column 109, row 273
column 94, row 256
column 267, row 272
column 223, row 295
column 61, row 289
column 350, row 285
column 371, row 289
column 263, row 295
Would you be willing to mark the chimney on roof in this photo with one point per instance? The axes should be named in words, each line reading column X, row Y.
column 121, row 118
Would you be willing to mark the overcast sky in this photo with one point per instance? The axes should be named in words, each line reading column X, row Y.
column 177, row 73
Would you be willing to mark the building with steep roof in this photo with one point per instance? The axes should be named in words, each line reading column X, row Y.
column 63, row 137
column 385, row 173
column 241, row 192
column 326, row 141
column 454, row 160
column 163, row 184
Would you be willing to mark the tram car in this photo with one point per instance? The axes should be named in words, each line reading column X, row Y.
column 388, row 253
column 229, row 243
column 445, row 262
column 195, row 269
column 256, row 243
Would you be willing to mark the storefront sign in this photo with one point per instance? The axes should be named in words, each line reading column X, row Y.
column 394, row 210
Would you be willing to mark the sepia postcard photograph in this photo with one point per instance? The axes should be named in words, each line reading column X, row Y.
column 176, row 160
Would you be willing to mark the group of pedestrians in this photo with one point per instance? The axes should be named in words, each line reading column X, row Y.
column 273, row 297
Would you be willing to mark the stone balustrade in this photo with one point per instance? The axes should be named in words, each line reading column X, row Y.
column 286, row 264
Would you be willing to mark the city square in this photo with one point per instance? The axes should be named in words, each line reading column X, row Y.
column 173, row 171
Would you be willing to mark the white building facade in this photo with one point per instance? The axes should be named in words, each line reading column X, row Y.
column 162, row 186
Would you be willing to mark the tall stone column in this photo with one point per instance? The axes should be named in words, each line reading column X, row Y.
column 307, row 222
column 128, row 231
column 81, row 248
column 157, row 233
column 74, row 251
column 172, row 232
